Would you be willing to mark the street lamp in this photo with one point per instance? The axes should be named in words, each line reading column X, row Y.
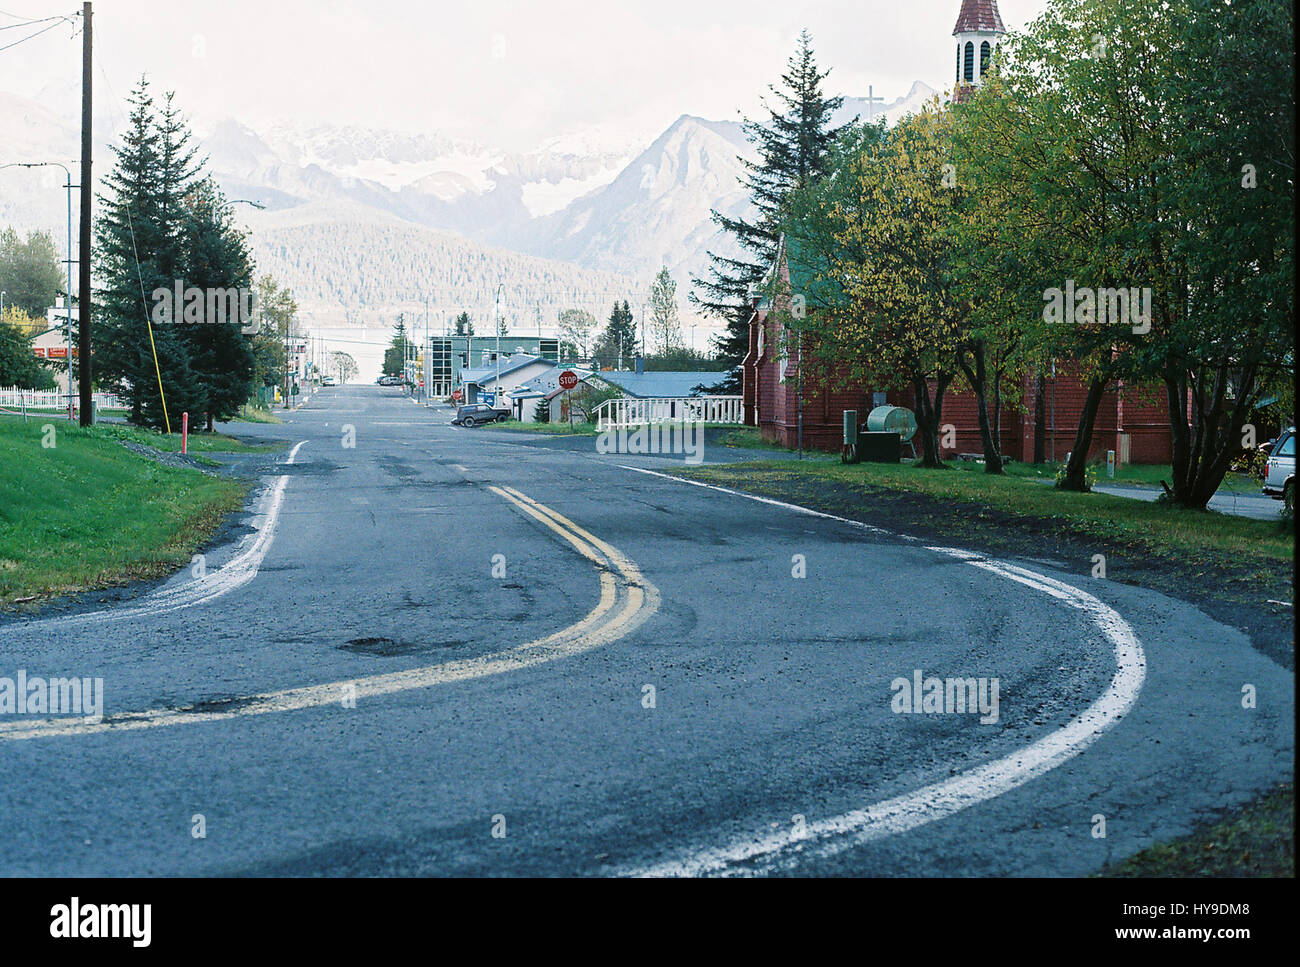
column 496, row 321
column 67, row 307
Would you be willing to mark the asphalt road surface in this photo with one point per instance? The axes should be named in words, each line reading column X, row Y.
column 444, row 651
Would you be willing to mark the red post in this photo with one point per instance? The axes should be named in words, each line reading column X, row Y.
column 185, row 433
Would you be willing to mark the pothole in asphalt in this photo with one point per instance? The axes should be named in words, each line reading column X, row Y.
column 314, row 469
column 217, row 705
column 389, row 648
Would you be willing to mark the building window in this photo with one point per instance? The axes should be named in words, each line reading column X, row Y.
column 958, row 80
column 985, row 51
column 970, row 62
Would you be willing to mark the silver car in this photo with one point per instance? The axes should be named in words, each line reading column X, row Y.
column 1279, row 475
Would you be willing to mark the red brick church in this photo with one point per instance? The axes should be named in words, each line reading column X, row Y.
column 1131, row 422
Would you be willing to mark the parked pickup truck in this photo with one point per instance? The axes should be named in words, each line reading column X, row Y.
column 477, row 413
column 1279, row 476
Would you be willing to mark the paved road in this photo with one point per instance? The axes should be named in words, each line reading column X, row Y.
column 649, row 688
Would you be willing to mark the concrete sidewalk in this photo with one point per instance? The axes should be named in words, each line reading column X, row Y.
column 1242, row 505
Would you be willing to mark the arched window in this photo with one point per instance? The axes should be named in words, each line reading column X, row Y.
column 985, row 51
column 970, row 62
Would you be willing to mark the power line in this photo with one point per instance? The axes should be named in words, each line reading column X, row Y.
column 57, row 20
column 30, row 23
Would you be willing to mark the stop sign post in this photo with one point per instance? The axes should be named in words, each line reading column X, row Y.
column 568, row 380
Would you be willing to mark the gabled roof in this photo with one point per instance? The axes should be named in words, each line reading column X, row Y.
column 547, row 382
column 484, row 374
column 665, row 384
column 979, row 15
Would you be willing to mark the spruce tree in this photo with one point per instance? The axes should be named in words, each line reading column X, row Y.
column 217, row 257
column 139, row 249
column 619, row 338
column 794, row 145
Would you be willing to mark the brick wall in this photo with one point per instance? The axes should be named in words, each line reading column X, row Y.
column 1138, row 411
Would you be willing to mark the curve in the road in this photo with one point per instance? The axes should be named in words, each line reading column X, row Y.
column 621, row 583
column 941, row 799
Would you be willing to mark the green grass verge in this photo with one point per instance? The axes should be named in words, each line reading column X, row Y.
column 748, row 438
column 198, row 443
column 252, row 414
column 88, row 513
column 1255, row 841
column 1158, row 527
column 579, row 429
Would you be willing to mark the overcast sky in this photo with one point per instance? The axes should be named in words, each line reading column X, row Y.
column 502, row 73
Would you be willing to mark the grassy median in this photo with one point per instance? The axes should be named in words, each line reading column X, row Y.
column 86, row 512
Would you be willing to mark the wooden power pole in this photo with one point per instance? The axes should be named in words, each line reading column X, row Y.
column 87, row 181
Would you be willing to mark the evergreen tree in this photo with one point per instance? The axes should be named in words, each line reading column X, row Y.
column 619, row 338
column 217, row 257
column 395, row 354
column 794, row 145
column 139, row 249
column 464, row 325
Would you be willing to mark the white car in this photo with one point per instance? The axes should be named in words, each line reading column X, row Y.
column 1279, row 475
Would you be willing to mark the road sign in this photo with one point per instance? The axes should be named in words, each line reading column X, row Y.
column 568, row 379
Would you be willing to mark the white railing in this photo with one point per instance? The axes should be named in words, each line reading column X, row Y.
column 51, row 399
column 612, row 414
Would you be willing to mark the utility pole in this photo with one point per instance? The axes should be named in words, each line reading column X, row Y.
column 87, row 143
column 496, row 311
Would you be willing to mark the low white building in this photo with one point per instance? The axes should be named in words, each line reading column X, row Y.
column 515, row 371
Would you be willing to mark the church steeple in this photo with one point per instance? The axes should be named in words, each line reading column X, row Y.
column 979, row 29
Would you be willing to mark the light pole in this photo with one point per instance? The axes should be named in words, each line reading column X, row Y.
column 496, row 321
column 67, row 307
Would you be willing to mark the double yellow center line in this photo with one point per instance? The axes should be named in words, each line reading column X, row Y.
column 626, row 600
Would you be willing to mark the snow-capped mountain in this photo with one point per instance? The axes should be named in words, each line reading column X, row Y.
column 656, row 212
column 610, row 199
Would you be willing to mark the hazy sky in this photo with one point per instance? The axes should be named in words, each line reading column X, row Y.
column 502, row 73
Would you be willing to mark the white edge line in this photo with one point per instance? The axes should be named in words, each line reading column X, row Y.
column 941, row 799
column 237, row 572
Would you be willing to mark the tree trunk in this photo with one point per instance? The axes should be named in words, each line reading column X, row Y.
column 1075, row 470
column 1203, row 452
column 929, row 413
column 978, row 380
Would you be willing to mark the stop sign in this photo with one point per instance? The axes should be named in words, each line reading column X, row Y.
column 568, row 379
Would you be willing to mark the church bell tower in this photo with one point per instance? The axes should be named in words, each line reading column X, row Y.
column 979, row 29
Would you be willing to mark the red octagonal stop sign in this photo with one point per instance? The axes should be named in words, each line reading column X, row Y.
column 568, row 379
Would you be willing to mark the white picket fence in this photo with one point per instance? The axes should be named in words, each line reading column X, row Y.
column 613, row 414
column 14, row 398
